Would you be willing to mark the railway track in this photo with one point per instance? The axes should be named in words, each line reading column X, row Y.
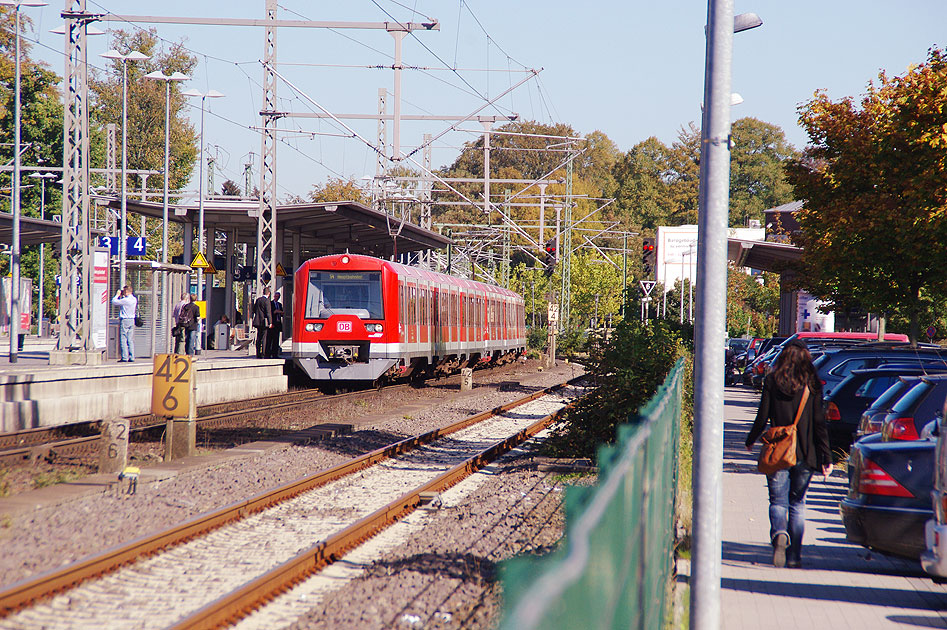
column 269, row 536
column 48, row 442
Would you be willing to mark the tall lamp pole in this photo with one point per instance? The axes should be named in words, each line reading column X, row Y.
column 42, row 177
column 15, row 194
column 167, row 78
column 710, row 321
column 117, row 56
column 200, row 185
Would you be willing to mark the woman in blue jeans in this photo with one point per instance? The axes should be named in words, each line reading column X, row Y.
column 783, row 391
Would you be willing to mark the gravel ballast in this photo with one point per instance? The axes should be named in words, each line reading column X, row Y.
column 55, row 535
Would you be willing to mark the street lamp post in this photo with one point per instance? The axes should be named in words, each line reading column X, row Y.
column 160, row 76
column 132, row 56
column 42, row 177
column 710, row 321
column 200, row 185
column 15, row 192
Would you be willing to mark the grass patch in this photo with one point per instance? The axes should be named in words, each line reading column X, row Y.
column 43, row 479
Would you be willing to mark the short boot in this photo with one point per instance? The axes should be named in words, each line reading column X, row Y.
column 780, row 542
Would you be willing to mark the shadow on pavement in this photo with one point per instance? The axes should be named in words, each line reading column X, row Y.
column 914, row 620
column 905, row 598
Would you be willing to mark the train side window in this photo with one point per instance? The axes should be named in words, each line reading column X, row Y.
column 401, row 303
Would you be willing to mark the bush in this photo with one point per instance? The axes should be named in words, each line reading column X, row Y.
column 625, row 370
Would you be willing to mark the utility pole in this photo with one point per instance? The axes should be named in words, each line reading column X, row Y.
column 565, row 303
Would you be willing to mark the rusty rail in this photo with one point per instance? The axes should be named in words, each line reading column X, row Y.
column 23, row 593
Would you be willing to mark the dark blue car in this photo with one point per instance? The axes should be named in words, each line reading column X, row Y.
column 845, row 404
column 889, row 494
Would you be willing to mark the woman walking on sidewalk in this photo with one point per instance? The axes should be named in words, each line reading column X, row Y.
column 783, row 393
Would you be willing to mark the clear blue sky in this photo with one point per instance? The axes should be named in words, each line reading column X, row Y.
column 629, row 69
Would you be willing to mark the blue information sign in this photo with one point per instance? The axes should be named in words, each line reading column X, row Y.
column 135, row 245
column 110, row 243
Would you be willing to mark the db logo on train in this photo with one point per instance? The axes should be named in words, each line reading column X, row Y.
column 345, row 327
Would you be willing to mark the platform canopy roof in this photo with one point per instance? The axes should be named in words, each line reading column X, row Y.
column 33, row 231
column 763, row 255
column 323, row 228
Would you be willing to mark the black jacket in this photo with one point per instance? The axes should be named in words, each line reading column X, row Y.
column 189, row 316
column 779, row 407
column 262, row 312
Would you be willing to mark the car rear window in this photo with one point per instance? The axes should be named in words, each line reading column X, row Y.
column 891, row 395
column 912, row 398
column 933, row 403
column 875, row 387
column 845, row 367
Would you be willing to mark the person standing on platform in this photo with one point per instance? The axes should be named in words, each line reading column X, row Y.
column 177, row 332
column 128, row 306
column 262, row 320
column 188, row 321
column 276, row 329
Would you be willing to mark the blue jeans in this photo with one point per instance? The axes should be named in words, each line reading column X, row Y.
column 191, row 341
column 126, row 338
column 787, row 506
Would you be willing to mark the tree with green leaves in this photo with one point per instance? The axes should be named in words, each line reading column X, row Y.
column 146, row 115
column 41, row 120
column 874, row 183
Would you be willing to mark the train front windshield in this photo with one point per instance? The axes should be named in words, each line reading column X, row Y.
column 344, row 293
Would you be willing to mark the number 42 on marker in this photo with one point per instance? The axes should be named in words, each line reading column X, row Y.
column 171, row 385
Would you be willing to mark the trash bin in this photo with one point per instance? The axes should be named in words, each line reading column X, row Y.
column 222, row 336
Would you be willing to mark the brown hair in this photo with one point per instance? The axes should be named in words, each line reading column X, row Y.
column 793, row 368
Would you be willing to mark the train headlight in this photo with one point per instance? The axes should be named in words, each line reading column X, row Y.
column 345, row 260
column 313, row 327
column 374, row 328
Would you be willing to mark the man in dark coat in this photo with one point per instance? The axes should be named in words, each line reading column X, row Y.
column 262, row 320
column 276, row 329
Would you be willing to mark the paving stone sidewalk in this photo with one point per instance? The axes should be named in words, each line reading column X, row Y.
column 840, row 585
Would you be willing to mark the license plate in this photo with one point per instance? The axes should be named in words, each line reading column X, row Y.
column 343, row 327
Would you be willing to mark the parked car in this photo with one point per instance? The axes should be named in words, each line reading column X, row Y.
column 845, row 404
column 835, row 365
column 888, row 502
column 847, row 336
column 873, row 418
column 934, row 557
column 915, row 409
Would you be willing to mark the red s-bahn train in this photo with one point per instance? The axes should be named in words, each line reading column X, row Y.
column 358, row 318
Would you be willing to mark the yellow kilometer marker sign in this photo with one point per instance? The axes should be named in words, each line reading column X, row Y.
column 171, row 385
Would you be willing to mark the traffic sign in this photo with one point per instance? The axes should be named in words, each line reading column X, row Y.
column 647, row 286
column 279, row 270
column 200, row 262
column 171, row 385
column 110, row 243
column 135, row 245
column 931, row 331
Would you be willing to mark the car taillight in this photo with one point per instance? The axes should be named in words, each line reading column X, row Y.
column 822, row 381
column 832, row 412
column 942, row 511
column 899, row 429
column 874, row 480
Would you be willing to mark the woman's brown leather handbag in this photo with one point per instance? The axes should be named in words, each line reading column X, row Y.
column 779, row 443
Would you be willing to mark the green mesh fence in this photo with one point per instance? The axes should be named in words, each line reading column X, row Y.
column 613, row 570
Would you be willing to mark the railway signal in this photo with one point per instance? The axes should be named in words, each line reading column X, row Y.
column 551, row 256
column 647, row 257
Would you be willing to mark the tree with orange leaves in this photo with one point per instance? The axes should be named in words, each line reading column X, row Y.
column 874, row 183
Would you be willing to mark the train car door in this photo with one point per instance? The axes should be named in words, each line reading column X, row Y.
column 402, row 312
column 412, row 313
column 463, row 316
column 425, row 304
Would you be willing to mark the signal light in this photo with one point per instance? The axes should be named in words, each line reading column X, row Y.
column 648, row 256
column 551, row 257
